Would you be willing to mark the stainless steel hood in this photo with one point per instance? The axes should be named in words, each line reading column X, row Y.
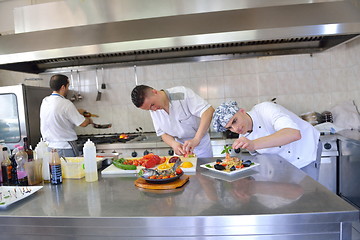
column 274, row 29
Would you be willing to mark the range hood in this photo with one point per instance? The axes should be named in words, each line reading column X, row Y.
column 220, row 33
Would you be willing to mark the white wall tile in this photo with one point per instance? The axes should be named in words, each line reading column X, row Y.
column 181, row 70
column 198, row 69
column 215, row 69
column 215, row 87
column 232, row 67
column 303, row 62
column 267, row 64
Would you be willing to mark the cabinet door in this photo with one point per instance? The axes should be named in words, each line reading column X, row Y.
column 349, row 171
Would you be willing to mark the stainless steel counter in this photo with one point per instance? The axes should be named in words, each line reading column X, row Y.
column 274, row 201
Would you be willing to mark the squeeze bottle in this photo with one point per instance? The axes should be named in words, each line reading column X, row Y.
column 89, row 150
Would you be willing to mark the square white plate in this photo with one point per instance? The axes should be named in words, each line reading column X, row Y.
column 10, row 195
column 238, row 170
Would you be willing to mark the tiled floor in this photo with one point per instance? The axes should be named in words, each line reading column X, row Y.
column 356, row 231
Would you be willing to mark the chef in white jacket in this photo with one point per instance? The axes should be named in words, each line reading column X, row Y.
column 180, row 117
column 269, row 128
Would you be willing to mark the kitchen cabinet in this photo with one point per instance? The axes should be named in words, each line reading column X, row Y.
column 273, row 201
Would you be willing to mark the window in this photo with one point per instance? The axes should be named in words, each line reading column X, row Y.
column 9, row 118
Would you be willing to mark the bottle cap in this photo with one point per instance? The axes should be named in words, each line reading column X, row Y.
column 5, row 148
column 89, row 143
column 21, row 148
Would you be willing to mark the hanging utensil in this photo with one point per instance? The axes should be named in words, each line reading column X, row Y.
column 136, row 78
column 103, row 85
column 79, row 97
column 98, row 96
column 73, row 97
column 108, row 125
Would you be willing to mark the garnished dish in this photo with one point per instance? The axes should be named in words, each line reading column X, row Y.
column 150, row 161
column 229, row 165
column 10, row 195
column 162, row 175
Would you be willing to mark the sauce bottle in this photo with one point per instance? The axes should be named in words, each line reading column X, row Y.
column 55, row 168
column 28, row 150
column 21, row 158
column 6, row 167
column 89, row 150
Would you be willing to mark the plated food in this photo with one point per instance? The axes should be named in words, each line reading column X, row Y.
column 162, row 175
column 152, row 161
column 230, row 165
column 10, row 195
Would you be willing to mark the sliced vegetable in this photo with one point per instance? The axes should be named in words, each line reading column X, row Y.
column 120, row 164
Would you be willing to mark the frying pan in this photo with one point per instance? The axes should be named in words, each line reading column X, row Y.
column 108, row 125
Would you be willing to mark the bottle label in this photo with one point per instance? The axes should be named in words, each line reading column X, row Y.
column 55, row 174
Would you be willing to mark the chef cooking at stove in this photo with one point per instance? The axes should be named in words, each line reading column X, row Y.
column 181, row 117
column 269, row 128
column 59, row 117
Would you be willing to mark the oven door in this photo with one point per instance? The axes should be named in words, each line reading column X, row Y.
column 349, row 171
column 328, row 173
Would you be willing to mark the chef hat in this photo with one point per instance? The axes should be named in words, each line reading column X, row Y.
column 223, row 114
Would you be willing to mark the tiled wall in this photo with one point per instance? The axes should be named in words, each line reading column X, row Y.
column 302, row 83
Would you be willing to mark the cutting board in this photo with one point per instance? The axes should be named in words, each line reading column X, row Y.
column 112, row 170
column 142, row 183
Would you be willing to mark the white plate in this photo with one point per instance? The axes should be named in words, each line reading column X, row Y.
column 10, row 195
column 228, row 173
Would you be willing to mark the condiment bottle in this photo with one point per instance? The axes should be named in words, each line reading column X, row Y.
column 28, row 150
column 6, row 167
column 89, row 150
column 21, row 158
column 43, row 153
column 55, row 168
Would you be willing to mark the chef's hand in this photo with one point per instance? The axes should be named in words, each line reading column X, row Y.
column 178, row 148
column 245, row 143
column 189, row 145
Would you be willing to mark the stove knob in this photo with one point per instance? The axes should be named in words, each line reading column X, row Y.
column 146, row 152
column 171, row 152
column 238, row 150
column 134, row 154
column 327, row 146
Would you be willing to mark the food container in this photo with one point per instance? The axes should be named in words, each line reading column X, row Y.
column 73, row 167
column 34, row 171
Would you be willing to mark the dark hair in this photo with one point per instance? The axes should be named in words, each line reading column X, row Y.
column 57, row 81
column 138, row 94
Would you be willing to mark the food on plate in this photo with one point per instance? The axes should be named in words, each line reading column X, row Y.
column 187, row 165
column 173, row 159
column 172, row 172
column 230, row 164
column 124, row 164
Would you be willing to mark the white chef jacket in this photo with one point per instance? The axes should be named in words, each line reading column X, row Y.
column 269, row 118
column 183, row 120
column 58, row 118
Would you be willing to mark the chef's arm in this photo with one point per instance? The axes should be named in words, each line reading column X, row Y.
column 86, row 122
column 176, row 146
column 205, row 121
column 279, row 138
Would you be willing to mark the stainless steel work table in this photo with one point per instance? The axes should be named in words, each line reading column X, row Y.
column 273, row 201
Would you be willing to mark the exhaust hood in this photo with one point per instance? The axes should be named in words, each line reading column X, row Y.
column 212, row 33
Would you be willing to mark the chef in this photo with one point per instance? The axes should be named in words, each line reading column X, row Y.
column 59, row 117
column 180, row 117
column 269, row 128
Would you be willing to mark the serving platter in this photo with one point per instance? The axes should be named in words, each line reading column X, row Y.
column 10, row 195
column 238, row 170
column 162, row 181
column 112, row 170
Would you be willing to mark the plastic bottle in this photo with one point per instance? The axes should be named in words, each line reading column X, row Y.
column 89, row 150
column 21, row 158
column 55, row 168
column 6, row 167
column 16, row 149
column 42, row 152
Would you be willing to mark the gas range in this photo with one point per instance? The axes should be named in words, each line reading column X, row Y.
column 107, row 138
